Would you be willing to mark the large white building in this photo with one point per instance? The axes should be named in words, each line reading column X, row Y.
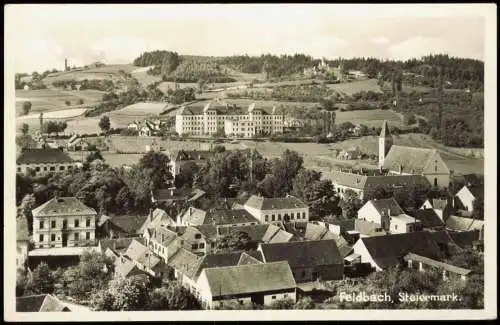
column 230, row 120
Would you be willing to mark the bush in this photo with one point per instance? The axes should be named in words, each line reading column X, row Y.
column 129, row 132
column 67, row 102
column 80, row 101
column 286, row 303
column 305, row 303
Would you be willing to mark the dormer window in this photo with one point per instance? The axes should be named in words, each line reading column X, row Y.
column 197, row 236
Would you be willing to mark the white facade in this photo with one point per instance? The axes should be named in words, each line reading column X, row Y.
column 64, row 231
column 466, row 198
column 369, row 213
column 402, row 224
column 267, row 216
column 45, row 168
column 360, row 249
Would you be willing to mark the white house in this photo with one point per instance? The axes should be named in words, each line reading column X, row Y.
column 465, row 197
column 288, row 209
column 260, row 283
column 375, row 209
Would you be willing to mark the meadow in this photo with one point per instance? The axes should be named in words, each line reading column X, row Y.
column 349, row 88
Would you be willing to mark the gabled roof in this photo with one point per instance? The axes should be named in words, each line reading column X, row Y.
column 118, row 244
column 228, row 217
column 476, row 190
column 389, row 206
column 194, row 216
column 249, row 278
column 368, row 228
column 190, row 155
column 63, row 206
column 428, row 217
column 429, row 261
column 142, row 254
column 364, row 182
column 262, row 203
column 163, row 235
column 128, row 224
column 40, row 303
column 225, row 259
column 125, row 267
column 22, row 232
column 158, row 217
column 466, row 238
column 462, row 223
column 411, row 159
column 262, row 233
column 44, row 155
column 185, row 262
column 248, row 259
column 389, row 250
column 303, row 253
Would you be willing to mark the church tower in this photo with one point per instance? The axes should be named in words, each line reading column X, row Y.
column 384, row 143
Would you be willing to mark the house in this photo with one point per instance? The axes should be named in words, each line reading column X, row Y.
column 146, row 260
column 259, row 284
column 182, row 158
column 219, row 217
column 352, row 153
column 402, row 160
column 125, row 267
column 428, row 218
column 366, row 185
column 468, row 238
column 162, row 241
column 185, row 264
column 145, row 130
column 43, row 161
column 388, row 214
column 386, row 251
column 133, row 126
column 22, row 241
column 423, row 263
column 116, row 245
column 440, row 206
column 63, row 222
column 40, row 303
column 176, row 195
column 157, row 217
column 76, row 143
column 200, row 239
column 121, row 225
column 287, row 209
column 309, row 260
column 465, row 197
column 266, row 233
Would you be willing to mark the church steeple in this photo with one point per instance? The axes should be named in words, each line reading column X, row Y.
column 384, row 143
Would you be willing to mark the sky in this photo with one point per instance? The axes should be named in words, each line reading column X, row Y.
column 42, row 36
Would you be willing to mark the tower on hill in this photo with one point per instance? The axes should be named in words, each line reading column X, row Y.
column 384, row 143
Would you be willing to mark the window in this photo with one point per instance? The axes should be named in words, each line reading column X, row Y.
column 202, row 245
column 241, row 302
column 76, row 236
column 61, row 168
column 77, row 223
column 396, row 227
column 41, row 225
column 52, row 168
column 197, row 236
column 53, row 237
column 37, row 169
column 53, row 224
column 279, row 216
column 194, row 246
column 291, row 216
column 303, row 215
column 273, row 297
column 87, row 235
column 87, row 223
column 40, row 238
column 266, row 218
column 285, row 295
column 18, row 169
column 272, row 217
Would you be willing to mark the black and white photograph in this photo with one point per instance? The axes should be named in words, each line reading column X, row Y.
column 250, row 161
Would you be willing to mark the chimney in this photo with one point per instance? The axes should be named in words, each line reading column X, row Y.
column 150, row 218
column 190, row 211
column 400, row 168
column 388, row 212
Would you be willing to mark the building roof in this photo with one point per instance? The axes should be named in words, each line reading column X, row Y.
column 185, row 262
column 405, row 218
column 439, row 204
column 248, row 259
column 411, row 159
column 125, row 267
column 368, row 228
column 43, row 156
column 428, row 217
column 163, row 235
column 249, row 278
column 158, row 217
column 262, row 203
column 225, row 259
column 465, row 238
column 61, row 251
column 303, row 253
column 385, row 130
column 40, row 303
column 388, row 250
column 22, row 232
column 193, row 216
column 118, row 244
column 60, row 206
column 128, row 224
column 389, row 206
column 429, row 261
column 476, row 190
column 190, row 155
column 178, row 194
column 365, row 182
column 262, row 233
column 228, row 217
column 462, row 223
column 318, row 232
column 142, row 254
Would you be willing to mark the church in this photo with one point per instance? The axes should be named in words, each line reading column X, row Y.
column 402, row 160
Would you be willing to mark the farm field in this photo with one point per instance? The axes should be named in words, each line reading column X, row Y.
column 142, row 109
column 370, row 118
column 350, row 88
column 46, row 100
column 61, row 114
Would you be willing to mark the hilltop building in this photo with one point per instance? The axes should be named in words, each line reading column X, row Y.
column 230, row 120
column 43, row 161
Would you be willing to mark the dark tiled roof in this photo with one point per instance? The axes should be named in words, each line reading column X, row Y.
column 245, row 258
column 411, row 159
column 250, row 278
column 185, row 262
column 128, row 224
column 428, row 217
column 477, row 190
column 462, row 223
column 118, row 244
column 40, row 303
column 429, row 261
column 227, row 217
column 41, row 156
column 187, row 155
column 142, row 254
column 225, row 259
column 389, row 250
column 63, row 206
column 262, row 203
column 303, row 253
column 464, row 239
column 385, row 205
column 163, row 235
column 364, row 182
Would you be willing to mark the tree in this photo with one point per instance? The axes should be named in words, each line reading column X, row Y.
column 41, row 280
column 350, row 204
column 172, row 296
column 124, row 199
column 25, row 129
column 235, row 240
column 26, row 107
column 304, row 303
column 67, row 102
column 187, row 175
column 27, row 205
column 285, row 303
column 123, row 294
column 283, row 170
column 80, row 101
column 156, row 166
column 105, row 124
column 478, row 208
column 93, row 155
